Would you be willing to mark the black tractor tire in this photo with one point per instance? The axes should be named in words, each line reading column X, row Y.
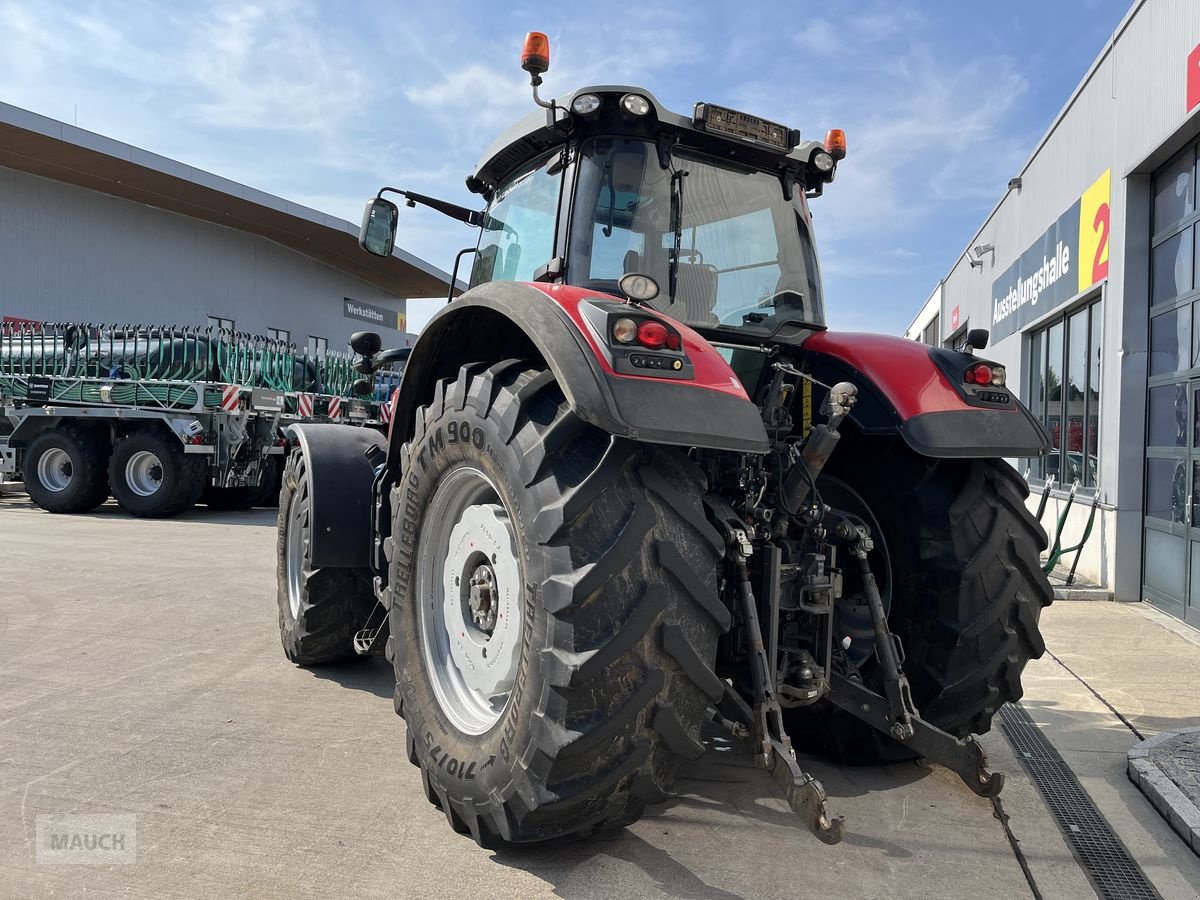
column 85, row 465
column 169, row 486
column 241, row 498
column 330, row 605
column 619, row 612
column 965, row 591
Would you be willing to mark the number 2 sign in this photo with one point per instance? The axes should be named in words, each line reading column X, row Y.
column 1094, row 225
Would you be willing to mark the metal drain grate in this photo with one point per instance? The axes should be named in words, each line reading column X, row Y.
column 1100, row 853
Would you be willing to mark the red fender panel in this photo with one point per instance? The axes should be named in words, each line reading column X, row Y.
column 934, row 416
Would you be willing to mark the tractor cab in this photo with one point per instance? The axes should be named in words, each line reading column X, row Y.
column 709, row 210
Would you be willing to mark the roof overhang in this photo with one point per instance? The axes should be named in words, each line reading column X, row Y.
column 52, row 149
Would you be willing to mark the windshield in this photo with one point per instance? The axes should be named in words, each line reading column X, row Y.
column 745, row 253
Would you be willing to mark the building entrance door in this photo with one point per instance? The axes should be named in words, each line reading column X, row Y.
column 1172, row 525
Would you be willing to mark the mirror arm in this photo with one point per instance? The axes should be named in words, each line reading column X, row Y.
column 453, row 210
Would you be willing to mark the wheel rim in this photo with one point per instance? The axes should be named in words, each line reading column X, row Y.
column 469, row 602
column 297, row 545
column 853, row 617
column 144, row 473
column 54, row 470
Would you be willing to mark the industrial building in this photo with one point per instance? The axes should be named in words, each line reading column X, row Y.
column 1085, row 274
column 94, row 230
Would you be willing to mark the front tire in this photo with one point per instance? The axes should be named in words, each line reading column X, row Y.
column 320, row 610
column 604, row 569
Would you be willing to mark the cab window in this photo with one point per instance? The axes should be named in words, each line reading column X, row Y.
column 518, row 230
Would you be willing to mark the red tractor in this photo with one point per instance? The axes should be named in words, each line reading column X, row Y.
column 634, row 486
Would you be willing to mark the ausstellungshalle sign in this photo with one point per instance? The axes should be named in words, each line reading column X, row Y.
column 376, row 315
column 1051, row 271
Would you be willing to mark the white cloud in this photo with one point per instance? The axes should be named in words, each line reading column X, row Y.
column 819, row 37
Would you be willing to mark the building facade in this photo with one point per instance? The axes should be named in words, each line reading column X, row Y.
column 1085, row 274
column 92, row 230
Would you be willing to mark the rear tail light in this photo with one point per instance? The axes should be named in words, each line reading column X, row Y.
column 649, row 333
column 652, row 335
column 983, row 374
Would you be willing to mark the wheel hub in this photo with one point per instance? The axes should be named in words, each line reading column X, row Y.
column 483, row 599
column 54, row 470
column 469, row 599
column 144, row 473
column 481, row 589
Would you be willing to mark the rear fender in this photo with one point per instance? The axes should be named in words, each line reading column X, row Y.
column 546, row 323
column 905, row 389
column 340, row 480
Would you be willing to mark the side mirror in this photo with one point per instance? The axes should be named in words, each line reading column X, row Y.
column 366, row 343
column 362, row 387
column 978, row 338
column 378, row 232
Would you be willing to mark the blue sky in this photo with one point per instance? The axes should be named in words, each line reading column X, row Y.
column 322, row 103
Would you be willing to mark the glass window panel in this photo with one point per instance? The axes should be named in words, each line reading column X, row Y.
column 1168, row 416
column 1196, row 499
column 1037, row 392
column 1166, row 489
column 1054, row 376
column 1174, row 191
column 1093, row 406
column 1170, row 341
column 1076, row 386
column 1171, row 262
column 1196, row 426
column 931, row 332
column 1196, row 334
column 1166, row 567
column 518, row 230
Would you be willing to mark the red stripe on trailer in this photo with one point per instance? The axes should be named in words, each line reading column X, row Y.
column 231, row 396
column 335, row 407
column 304, row 406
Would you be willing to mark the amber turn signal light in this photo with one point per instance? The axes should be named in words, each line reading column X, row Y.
column 535, row 54
column 835, row 143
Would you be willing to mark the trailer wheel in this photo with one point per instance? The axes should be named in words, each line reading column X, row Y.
column 151, row 476
column 554, row 613
column 959, row 568
column 64, row 469
column 320, row 610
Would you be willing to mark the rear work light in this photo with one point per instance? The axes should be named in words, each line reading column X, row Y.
column 983, row 374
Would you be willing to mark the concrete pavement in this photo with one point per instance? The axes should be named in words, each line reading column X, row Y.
column 140, row 673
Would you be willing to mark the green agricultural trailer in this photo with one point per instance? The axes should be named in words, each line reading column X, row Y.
column 160, row 417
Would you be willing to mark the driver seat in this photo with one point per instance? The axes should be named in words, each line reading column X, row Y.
column 696, row 292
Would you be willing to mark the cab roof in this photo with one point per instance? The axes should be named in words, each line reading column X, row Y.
column 544, row 129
